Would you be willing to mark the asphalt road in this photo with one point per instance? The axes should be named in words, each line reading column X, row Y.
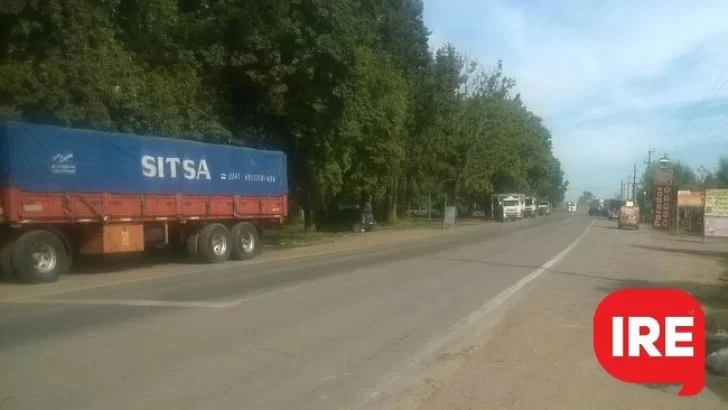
column 324, row 332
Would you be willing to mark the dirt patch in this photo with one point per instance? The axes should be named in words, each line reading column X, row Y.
column 293, row 236
column 696, row 267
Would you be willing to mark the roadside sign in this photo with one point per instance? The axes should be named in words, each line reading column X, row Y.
column 716, row 213
column 691, row 199
column 662, row 198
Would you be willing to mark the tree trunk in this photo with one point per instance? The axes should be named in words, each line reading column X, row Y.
column 309, row 212
column 392, row 205
column 312, row 203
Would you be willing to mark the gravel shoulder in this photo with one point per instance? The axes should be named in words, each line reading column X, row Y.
column 540, row 353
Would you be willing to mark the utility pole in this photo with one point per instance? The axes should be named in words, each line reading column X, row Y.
column 634, row 183
column 626, row 187
column 649, row 156
column 621, row 189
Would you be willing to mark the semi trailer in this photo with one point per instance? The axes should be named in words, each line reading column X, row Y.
column 66, row 192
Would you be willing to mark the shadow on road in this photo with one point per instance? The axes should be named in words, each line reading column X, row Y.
column 112, row 264
column 721, row 255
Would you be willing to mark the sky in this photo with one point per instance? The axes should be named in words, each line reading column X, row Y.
column 611, row 79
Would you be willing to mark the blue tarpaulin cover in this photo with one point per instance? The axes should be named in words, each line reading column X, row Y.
column 42, row 158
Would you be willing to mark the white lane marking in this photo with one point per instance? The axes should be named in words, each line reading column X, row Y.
column 127, row 302
column 457, row 330
column 479, row 313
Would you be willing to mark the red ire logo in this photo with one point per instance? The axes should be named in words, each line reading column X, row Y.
column 652, row 336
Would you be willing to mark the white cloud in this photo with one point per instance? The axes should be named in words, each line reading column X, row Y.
column 612, row 77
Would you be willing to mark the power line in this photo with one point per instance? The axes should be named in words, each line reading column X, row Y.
column 587, row 188
column 708, row 97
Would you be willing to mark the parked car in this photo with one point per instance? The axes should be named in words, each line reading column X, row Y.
column 350, row 219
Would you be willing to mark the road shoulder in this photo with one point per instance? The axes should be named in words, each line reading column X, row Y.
column 540, row 353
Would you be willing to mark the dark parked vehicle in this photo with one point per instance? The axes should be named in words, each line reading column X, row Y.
column 595, row 209
column 350, row 219
column 611, row 208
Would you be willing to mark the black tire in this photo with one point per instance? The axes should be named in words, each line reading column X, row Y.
column 245, row 231
column 69, row 251
column 191, row 245
column 369, row 228
column 30, row 271
column 208, row 249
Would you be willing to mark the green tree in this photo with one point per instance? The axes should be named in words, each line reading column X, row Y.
column 375, row 121
column 719, row 178
column 62, row 62
column 348, row 89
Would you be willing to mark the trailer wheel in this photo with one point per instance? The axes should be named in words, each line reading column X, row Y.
column 191, row 244
column 246, row 241
column 214, row 243
column 39, row 256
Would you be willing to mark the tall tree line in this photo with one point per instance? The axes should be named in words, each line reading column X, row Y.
column 347, row 88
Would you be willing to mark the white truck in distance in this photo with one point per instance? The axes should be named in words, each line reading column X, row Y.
column 512, row 208
column 530, row 209
column 571, row 208
column 544, row 207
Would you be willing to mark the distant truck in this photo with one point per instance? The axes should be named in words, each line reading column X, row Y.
column 499, row 208
column 68, row 191
column 544, row 207
column 612, row 208
column 512, row 208
column 530, row 209
column 595, row 208
column 571, row 208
